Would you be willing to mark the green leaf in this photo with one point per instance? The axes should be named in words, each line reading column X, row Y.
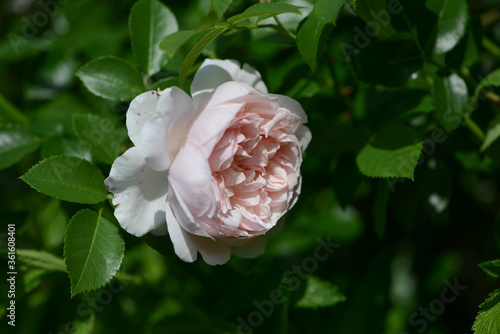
column 320, row 293
column 450, row 99
column 99, row 136
column 451, row 24
column 375, row 12
column 493, row 79
column 111, row 78
column 10, row 112
column 41, row 259
column 264, row 9
column 68, row 178
column 15, row 143
column 488, row 319
column 392, row 152
column 309, row 35
column 195, row 52
column 492, row 135
column 93, row 251
column 492, row 268
column 173, row 42
column 380, row 208
column 150, row 22
column 52, row 220
column 84, row 326
column 220, row 6
column 388, row 63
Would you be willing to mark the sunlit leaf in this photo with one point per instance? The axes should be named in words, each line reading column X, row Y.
column 99, row 136
column 320, row 293
column 112, row 78
column 93, row 251
column 450, row 100
column 150, row 22
column 68, row 178
column 488, row 319
column 392, row 152
column 452, row 22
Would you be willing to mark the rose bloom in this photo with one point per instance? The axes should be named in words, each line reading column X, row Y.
column 218, row 170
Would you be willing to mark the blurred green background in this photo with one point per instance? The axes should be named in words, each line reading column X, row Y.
column 438, row 227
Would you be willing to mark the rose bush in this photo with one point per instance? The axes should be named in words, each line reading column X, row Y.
column 216, row 171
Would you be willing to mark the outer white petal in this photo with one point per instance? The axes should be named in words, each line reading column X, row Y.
column 182, row 213
column 251, row 250
column 163, row 136
column 191, row 176
column 183, row 244
column 187, row 245
column 304, row 136
column 214, row 72
column 141, row 110
column 292, row 105
column 140, row 193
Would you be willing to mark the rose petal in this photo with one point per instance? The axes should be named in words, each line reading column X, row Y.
column 191, row 176
column 214, row 72
column 304, row 136
column 141, row 110
column 140, row 193
column 292, row 105
column 163, row 136
column 187, row 245
column 183, row 214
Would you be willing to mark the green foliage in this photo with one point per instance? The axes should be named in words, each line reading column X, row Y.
column 220, row 6
column 392, row 152
column 41, row 259
column 93, row 251
column 68, row 178
column 150, row 21
column 393, row 90
column 263, row 10
column 15, row 143
column 492, row 268
column 451, row 23
column 320, row 293
column 488, row 319
column 112, row 78
column 375, row 11
column 195, row 52
column 99, row 136
column 309, row 35
column 450, row 99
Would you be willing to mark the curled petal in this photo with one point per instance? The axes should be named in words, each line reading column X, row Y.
column 162, row 137
column 140, row 193
column 187, row 245
column 214, row 72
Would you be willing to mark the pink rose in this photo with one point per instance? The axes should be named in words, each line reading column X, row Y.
column 219, row 168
